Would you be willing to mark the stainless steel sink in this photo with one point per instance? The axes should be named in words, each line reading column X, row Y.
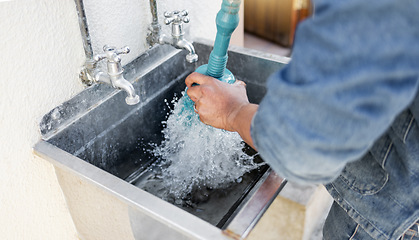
column 99, row 139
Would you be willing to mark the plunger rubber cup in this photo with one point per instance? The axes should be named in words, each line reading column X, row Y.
column 227, row 76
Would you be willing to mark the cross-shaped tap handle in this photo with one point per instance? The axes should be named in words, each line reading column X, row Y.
column 176, row 16
column 111, row 53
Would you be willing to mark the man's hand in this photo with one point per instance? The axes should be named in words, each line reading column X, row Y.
column 222, row 105
column 216, row 102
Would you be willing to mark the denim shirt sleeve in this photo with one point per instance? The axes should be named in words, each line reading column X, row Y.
column 354, row 67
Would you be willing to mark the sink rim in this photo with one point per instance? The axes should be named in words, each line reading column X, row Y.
column 243, row 220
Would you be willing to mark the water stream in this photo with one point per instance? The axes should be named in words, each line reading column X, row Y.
column 194, row 158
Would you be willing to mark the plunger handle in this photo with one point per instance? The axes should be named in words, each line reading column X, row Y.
column 227, row 21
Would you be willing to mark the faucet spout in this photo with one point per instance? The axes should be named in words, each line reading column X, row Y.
column 122, row 83
column 119, row 82
column 192, row 56
column 181, row 43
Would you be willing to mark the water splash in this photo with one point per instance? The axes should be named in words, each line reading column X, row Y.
column 195, row 156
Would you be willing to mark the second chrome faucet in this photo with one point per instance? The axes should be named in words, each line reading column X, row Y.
column 177, row 40
column 177, row 18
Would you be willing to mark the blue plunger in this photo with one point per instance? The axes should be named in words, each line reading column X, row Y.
column 227, row 20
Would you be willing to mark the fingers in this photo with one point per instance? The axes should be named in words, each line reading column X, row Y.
column 202, row 79
column 195, row 91
column 194, row 108
column 201, row 118
column 195, row 78
column 238, row 82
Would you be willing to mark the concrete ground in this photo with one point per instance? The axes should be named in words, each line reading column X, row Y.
column 255, row 42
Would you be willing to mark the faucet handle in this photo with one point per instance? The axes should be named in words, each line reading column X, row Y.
column 177, row 17
column 123, row 50
column 111, row 53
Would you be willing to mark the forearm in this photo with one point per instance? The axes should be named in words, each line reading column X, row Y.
column 241, row 122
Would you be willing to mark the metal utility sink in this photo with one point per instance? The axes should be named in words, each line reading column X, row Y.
column 100, row 140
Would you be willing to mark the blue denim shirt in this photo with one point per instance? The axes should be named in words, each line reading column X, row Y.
column 344, row 111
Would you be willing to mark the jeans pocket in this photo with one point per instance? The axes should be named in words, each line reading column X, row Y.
column 412, row 233
column 365, row 176
column 402, row 125
column 339, row 225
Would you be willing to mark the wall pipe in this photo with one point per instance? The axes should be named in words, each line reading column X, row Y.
column 87, row 44
column 87, row 71
column 155, row 28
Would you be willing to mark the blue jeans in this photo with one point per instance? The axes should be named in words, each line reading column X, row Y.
column 380, row 192
column 341, row 226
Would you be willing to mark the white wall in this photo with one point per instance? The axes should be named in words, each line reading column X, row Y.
column 125, row 22
column 40, row 60
column 41, row 56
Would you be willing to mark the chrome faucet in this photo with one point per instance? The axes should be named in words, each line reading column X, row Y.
column 114, row 76
column 177, row 18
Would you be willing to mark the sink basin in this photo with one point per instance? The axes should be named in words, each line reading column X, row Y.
column 104, row 143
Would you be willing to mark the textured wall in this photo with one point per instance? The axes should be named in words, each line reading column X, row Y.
column 125, row 22
column 41, row 57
